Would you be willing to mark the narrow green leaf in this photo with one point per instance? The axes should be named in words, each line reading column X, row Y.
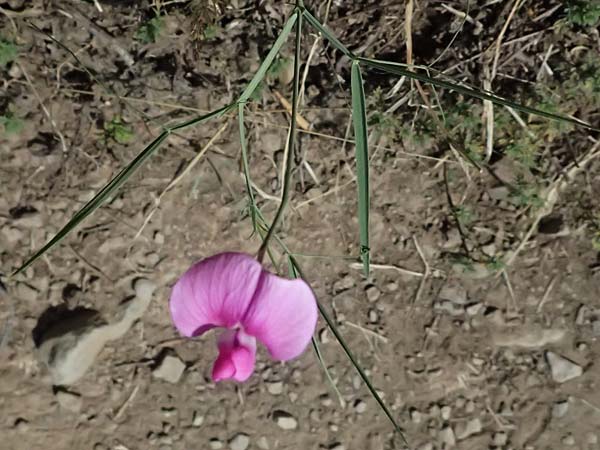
column 327, row 34
column 264, row 67
column 400, row 69
column 359, row 118
column 246, row 165
column 115, row 184
column 353, row 360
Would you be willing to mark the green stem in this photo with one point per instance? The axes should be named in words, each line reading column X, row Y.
column 287, row 179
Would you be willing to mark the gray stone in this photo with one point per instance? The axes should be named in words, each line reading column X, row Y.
column 285, row 420
column 169, row 369
column 528, row 337
column 562, row 369
column 447, row 436
column 559, row 409
column 69, row 401
column 263, row 443
column 70, row 347
column 360, row 406
column 215, row 444
column 240, row 441
column 469, row 428
column 373, row 293
column 275, row 388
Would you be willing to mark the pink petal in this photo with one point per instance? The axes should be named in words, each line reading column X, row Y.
column 237, row 354
column 282, row 316
column 214, row 292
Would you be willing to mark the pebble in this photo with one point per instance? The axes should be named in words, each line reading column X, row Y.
column 337, row 446
column 500, row 438
column 446, row 412
column 591, row 438
column 263, row 443
column 451, row 308
column 69, row 401
column 240, row 441
column 12, row 235
column 415, row 416
column 562, row 369
column 373, row 294
column 215, row 444
column 169, row 369
column 344, row 284
column 581, row 314
column 373, row 316
column 456, row 294
column 568, row 440
column 285, row 420
column 324, row 336
column 360, row 406
column 470, row 428
column 275, row 388
column 447, row 436
column 26, row 293
column 426, row 446
column 197, row 420
column 474, row 308
column 529, row 337
column 559, row 409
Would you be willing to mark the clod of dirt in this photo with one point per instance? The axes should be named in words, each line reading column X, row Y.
column 562, row 369
column 529, row 337
column 469, row 428
column 447, row 437
column 285, row 420
column 559, row 409
column 69, row 401
column 70, row 345
column 240, row 441
column 169, row 369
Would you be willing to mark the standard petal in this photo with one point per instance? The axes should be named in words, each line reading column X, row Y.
column 283, row 315
column 237, row 354
column 214, row 292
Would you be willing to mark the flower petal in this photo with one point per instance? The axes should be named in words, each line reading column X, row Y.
column 214, row 292
column 237, row 354
column 282, row 316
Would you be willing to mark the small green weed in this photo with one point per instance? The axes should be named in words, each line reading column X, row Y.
column 464, row 215
column 8, row 52
column 11, row 124
column 150, row 31
column 584, row 12
column 119, row 131
column 526, row 194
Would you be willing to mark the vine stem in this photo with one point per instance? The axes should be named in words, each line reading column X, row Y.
column 287, row 179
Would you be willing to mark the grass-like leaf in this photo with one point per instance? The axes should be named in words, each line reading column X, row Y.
column 400, row 69
column 246, row 166
column 115, row 184
column 331, row 324
column 359, row 118
column 327, row 33
column 264, row 67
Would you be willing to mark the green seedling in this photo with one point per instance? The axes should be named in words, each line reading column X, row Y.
column 119, row 131
column 150, row 31
column 8, row 52
column 585, row 13
column 11, row 124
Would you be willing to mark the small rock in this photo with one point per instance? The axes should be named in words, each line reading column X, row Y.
column 559, row 409
column 449, row 307
column 373, row 316
column 337, row 446
column 263, row 443
column 344, row 284
column 591, row 438
column 360, row 406
column 373, row 293
column 446, row 412
column 285, row 420
column 596, row 328
column 470, row 407
column 69, row 401
column 454, row 293
column 197, row 420
column 392, row 286
column 12, row 235
column 474, row 308
column 240, row 441
column 562, row 369
column 215, row 444
column 447, row 436
column 568, row 440
column 470, row 428
column 159, row 238
column 169, row 369
column 500, row 438
column 528, row 337
column 275, row 388
column 415, row 416
column 144, row 289
column 581, row 314
column 27, row 293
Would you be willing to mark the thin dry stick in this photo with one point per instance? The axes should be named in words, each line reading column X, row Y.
column 546, row 295
column 514, row 9
column 510, row 290
column 41, row 102
column 425, row 273
column 367, row 331
column 398, row 269
column 172, row 184
column 127, row 402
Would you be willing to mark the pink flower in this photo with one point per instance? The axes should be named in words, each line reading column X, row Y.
column 233, row 291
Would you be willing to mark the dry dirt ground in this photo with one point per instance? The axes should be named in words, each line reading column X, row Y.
column 479, row 323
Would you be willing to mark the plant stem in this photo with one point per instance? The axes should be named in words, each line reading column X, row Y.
column 287, row 179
